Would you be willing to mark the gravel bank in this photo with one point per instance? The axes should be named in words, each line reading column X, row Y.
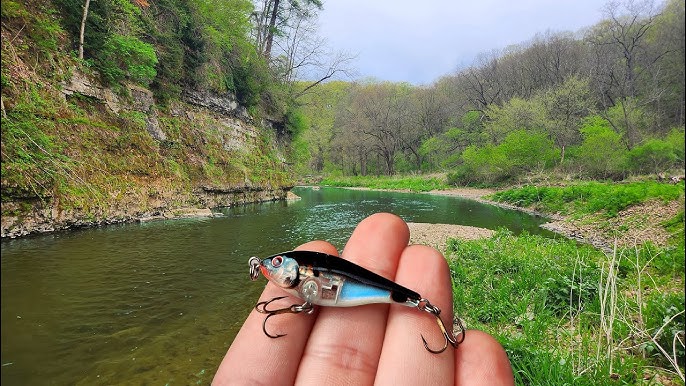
column 436, row 235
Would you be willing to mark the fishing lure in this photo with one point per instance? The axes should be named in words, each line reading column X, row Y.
column 326, row 280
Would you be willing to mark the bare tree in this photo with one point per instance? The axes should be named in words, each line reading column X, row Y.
column 482, row 82
column 623, row 59
column 274, row 18
column 82, row 30
column 551, row 58
column 297, row 52
column 430, row 110
column 350, row 145
column 376, row 118
column 303, row 54
column 667, row 83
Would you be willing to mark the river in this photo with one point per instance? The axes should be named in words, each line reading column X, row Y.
column 160, row 302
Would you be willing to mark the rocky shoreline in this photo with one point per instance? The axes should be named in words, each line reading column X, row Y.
column 633, row 226
column 47, row 218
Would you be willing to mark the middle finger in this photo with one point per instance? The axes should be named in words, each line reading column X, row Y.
column 345, row 343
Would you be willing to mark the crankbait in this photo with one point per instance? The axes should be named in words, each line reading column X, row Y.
column 326, row 280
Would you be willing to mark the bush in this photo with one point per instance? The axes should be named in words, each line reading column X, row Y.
column 486, row 164
column 125, row 57
column 520, row 152
column 526, row 151
column 602, row 153
column 652, row 156
column 296, row 122
column 676, row 139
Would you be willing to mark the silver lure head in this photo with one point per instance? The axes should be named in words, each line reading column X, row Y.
column 279, row 269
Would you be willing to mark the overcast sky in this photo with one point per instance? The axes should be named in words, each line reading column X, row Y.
column 419, row 41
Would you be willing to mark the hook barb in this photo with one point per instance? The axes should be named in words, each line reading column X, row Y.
column 264, row 328
column 424, row 305
column 261, row 307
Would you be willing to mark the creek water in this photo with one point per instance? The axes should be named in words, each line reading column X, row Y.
column 160, row 302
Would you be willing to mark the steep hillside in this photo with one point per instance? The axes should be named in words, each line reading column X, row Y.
column 76, row 153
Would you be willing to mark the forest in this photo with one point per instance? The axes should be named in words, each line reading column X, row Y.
column 74, row 153
column 253, row 50
column 605, row 102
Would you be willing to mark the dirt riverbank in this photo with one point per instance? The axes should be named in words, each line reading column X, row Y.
column 632, row 226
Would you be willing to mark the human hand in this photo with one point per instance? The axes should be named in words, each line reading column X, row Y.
column 372, row 344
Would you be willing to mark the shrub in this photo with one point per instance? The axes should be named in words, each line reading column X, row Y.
column 676, row 139
column 125, row 57
column 652, row 156
column 521, row 151
column 527, row 151
column 296, row 122
column 485, row 164
column 602, row 153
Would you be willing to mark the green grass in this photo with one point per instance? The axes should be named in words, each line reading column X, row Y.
column 546, row 301
column 590, row 197
column 412, row 183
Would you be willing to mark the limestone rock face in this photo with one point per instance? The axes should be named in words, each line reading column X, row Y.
column 81, row 83
column 224, row 104
column 141, row 100
column 220, row 115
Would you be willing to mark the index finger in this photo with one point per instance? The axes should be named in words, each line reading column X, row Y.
column 244, row 363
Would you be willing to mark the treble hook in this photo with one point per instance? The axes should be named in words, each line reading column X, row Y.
column 261, row 307
column 425, row 305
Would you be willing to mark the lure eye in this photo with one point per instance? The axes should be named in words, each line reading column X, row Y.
column 276, row 261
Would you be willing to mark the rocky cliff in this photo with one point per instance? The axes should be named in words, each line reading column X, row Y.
column 120, row 157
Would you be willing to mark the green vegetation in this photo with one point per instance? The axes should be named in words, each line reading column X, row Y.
column 172, row 44
column 589, row 197
column 77, row 154
column 519, row 153
column 412, row 183
column 125, row 57
column 553, row 104
column 571, row 313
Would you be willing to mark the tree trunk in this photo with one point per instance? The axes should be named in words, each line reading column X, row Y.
column 562, row 155
column 363, row 163
column 270, row 32
column 83, row 27
column 389, row 158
